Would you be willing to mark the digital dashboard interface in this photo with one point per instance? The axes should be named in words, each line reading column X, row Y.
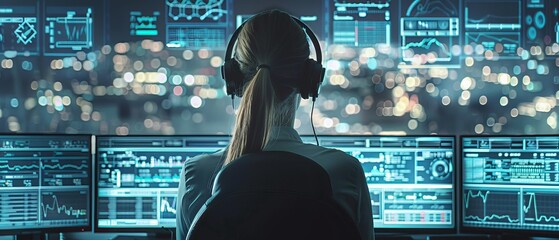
column 411, row 179
column 138, row 177
column 361, row 23
column 511, row 182
column 45, row 181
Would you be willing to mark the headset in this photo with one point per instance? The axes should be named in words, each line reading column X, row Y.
column 307, row 85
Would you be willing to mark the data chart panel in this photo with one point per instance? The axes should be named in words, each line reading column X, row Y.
column 68, row 30
column 361, row 24
column 495, row 28
column 196, row 24
column 429, row 29
column 411, row 179
column 19, row 27
column 511, row 182
column 45, row 181
column 138, row 177
column 135, row 21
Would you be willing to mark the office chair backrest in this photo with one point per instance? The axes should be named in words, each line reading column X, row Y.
column 272, row 195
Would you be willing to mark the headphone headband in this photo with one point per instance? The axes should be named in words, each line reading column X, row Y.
column 313, row 72
column 308, row 30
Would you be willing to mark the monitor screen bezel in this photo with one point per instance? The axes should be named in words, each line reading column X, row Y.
column 415, row 230
column 144, row 229
column 44, row 229
column 494, row 230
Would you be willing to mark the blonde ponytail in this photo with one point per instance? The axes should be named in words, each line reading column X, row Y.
column 255, row 118
column 270, row 42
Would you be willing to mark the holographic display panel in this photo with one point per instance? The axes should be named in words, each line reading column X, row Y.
column 68, row 29
column 198, row 24
column 19, row 27
column 361, row 24
column 510, row 182
column 45, row 182
column 494, row 25
column 311, row 12
column 137, row 20
column 138, row 178
column 428, row 30
column 411, row 179
column 541, row 19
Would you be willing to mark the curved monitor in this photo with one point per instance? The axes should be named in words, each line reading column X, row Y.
column 411, row 179
column 510, row 183
column 45, row 183
column 138, row 177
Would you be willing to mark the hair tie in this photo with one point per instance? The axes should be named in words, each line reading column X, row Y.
column 262, row 66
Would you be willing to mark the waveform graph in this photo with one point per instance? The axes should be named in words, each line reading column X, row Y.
column 144, row 24
column 168, row 207
column 420, row 51
column 196, row 11
column 155, row 169
column 541, row 208
column 157, row 177
column 507, row 43
column 428, row 42
column 69, row 206
column 18, row 207
column 429, row 29
column 491, row 207
column 429, row 8
column 68, row 31
column 423, row 52
column 495, row 28
column 196, row 24
column 17, row 172
column 65, row 171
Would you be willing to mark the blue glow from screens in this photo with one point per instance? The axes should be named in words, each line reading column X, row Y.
column 45, row 182
column 411, row 179
column 139, row 178
column 511, row 182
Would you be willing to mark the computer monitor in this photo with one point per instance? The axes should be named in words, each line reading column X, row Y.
column 411, row 179
column 510, row 184
column 138, row 177
column 45, row 183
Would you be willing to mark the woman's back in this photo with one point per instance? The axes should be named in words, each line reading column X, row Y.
column 271, row 70
column 346, row 176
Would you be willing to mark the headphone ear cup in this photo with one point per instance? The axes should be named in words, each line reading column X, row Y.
column 314, row 76
column 234, row 78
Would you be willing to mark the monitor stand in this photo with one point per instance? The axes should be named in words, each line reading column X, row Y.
column 155, row 236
